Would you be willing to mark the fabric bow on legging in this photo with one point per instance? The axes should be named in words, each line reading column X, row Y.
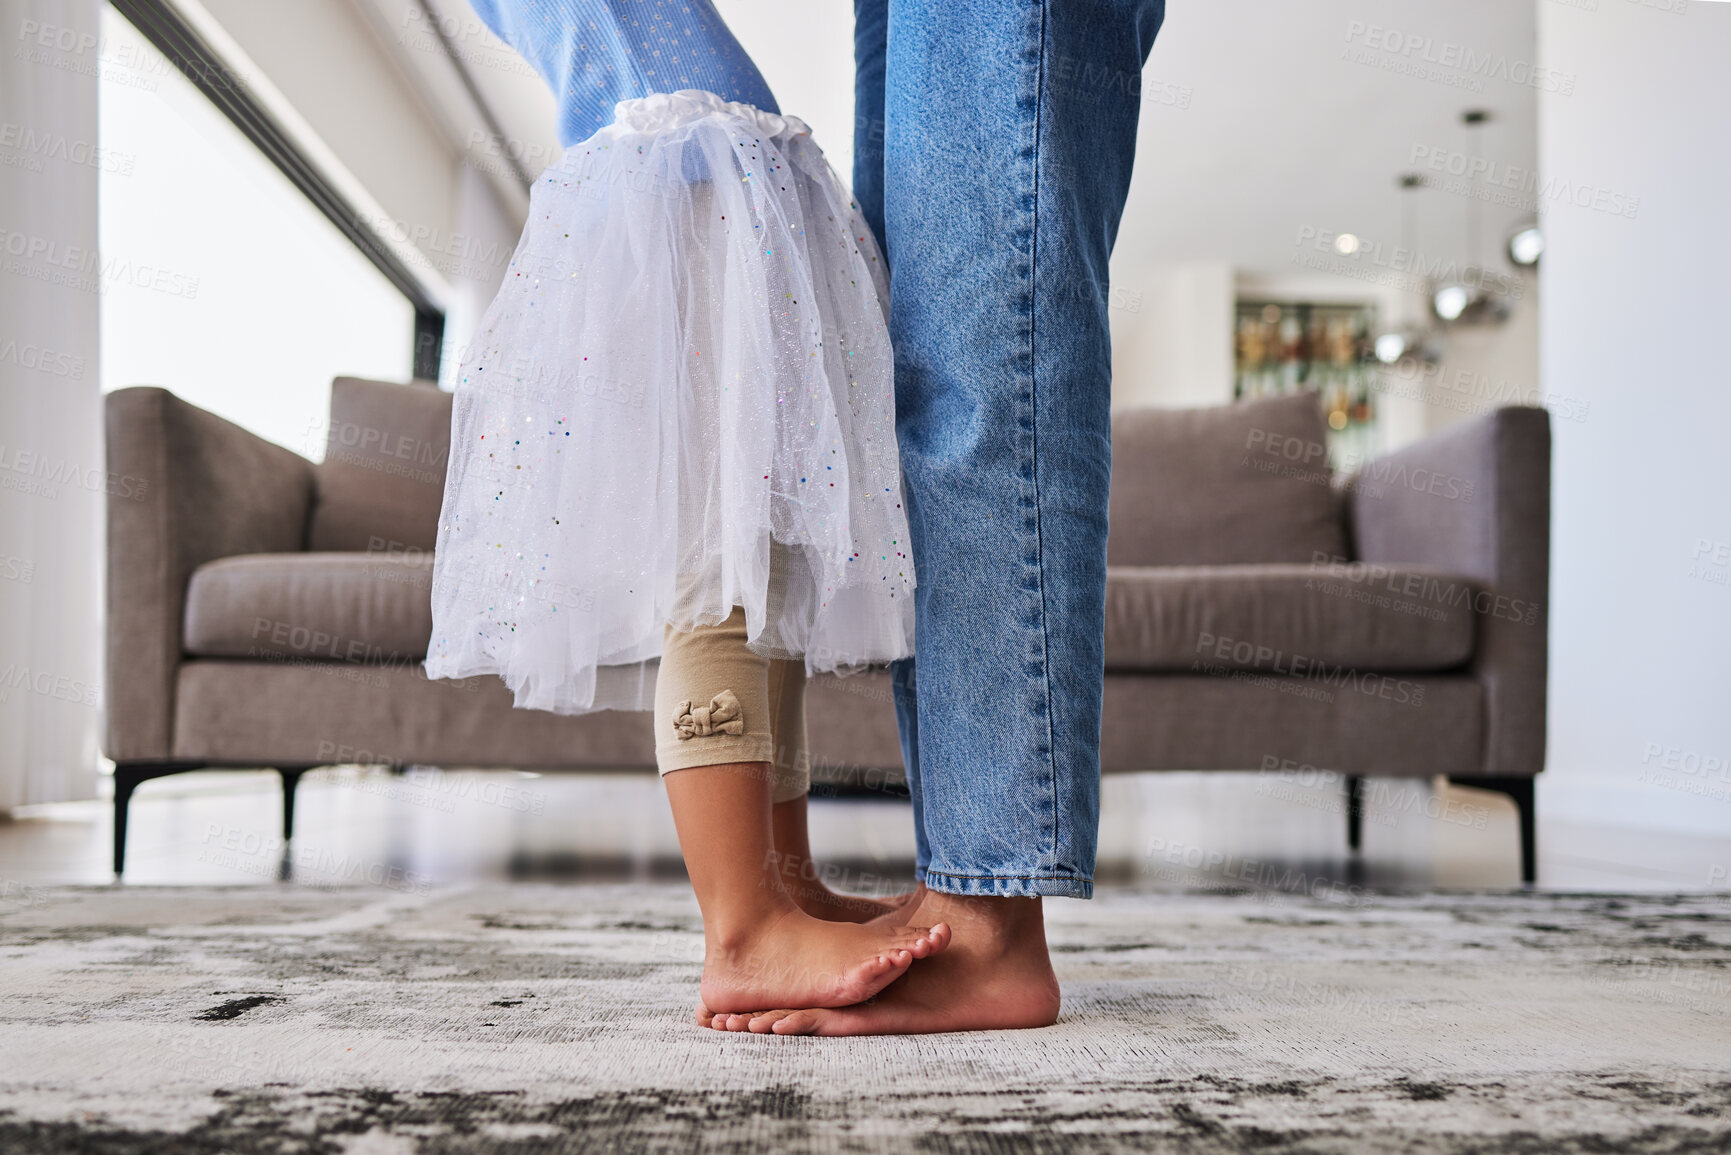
column 722, row 716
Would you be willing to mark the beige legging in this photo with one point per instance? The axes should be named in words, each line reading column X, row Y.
column 717, row 702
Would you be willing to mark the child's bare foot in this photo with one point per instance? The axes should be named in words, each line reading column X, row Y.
column 793, row 959
column 820, row 901
column 996, row 975
column 892, row 912
column 903, row 908
column 804, row 879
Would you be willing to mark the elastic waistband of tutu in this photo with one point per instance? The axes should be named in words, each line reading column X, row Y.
column 661, row 111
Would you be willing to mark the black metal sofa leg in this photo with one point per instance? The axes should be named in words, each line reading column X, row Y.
column 291, row 779
column 1354, row 813
column 1521, row 790
column 126, row 780
column 129, row 776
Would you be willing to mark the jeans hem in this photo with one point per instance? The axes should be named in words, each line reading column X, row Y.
column 1010, row 885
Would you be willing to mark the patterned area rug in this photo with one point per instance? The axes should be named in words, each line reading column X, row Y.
column 519, row 1019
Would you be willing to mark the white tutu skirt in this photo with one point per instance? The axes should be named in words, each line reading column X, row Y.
column 679, row 402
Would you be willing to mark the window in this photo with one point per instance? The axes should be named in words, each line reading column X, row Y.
column 224, row 283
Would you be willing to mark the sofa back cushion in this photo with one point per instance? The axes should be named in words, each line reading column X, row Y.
column 1233, row 485
column 382, row 481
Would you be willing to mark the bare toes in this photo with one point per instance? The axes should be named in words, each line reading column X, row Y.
column 926, row 941
column 882, row 969
column 890, row 961
column 763, row 1023
column 799, row 1023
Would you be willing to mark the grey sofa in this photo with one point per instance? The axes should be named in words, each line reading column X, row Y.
column 1262, row 614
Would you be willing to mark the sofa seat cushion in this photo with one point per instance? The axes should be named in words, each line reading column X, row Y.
column 1304, row 620
column 315, row 607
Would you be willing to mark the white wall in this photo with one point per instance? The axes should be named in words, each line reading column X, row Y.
column 805, row 52
column 1636, row 313
column 1172, row 335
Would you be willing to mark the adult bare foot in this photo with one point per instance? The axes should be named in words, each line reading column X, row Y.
column 996, row 975
column 793, row 959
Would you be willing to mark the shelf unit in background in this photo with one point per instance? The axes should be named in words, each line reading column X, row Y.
column 1290, row 346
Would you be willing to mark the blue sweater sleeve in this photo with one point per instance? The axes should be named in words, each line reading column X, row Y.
column 595, row 53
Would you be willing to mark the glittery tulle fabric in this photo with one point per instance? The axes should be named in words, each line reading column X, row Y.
column 686, row 375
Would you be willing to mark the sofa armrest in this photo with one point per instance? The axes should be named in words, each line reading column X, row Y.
column 1475, row 500
column 184, row 487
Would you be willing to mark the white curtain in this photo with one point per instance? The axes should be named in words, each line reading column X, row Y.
column 52, row 475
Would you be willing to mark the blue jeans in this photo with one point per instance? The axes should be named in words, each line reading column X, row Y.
column 994, row 140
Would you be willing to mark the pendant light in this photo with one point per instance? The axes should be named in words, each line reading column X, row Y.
column 1465, row 299
column 1408, row 340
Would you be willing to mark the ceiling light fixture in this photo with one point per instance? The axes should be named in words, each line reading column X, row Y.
column 1408, row 341
column 1465, row 298
column 1526, row 246
column 1451, row 300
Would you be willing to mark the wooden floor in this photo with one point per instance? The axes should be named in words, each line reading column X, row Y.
column 1159, row 830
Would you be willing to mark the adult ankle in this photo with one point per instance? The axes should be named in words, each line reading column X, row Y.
column 988, row 920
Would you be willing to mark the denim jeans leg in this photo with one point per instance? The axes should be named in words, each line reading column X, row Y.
column 870, row 46
column 1009, row 130
column 908, row 723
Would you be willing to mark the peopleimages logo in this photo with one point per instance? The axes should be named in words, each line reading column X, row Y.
column 1447, row 61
